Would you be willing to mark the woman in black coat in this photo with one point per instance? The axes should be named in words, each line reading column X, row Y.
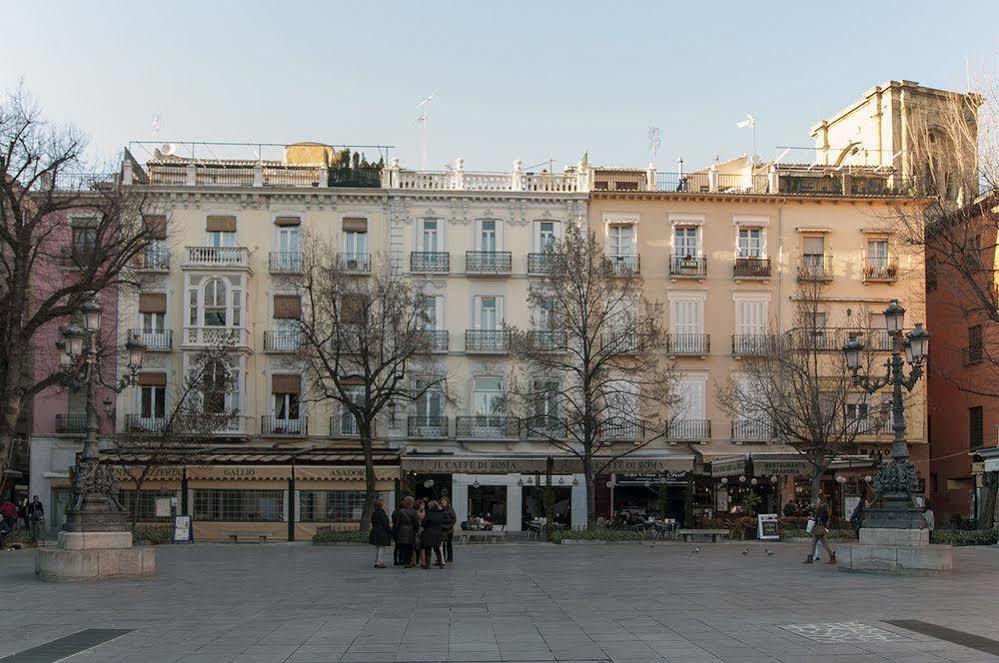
column 381, row 534
column 433, row 534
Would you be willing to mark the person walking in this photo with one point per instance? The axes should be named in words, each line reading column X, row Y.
column 421, row 513
column 452, row 520
column 36, row 516
column 380, row 535
column 405, row 524
column 8, row 511
column 432, row 535
column 820, row 513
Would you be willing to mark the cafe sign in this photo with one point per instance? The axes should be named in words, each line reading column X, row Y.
column 239, row 472
column 783, row 467
column 344, row 473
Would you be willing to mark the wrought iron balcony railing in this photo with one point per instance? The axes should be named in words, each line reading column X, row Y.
column 153, row 259
column 544, row 427
column 815, row 267
column 438, row 262
column 486, row 427
column 155, row 341
column 354, row 263
column 621, row 429
column 136, row 423
column 752, row 431
column 689, row 429
column 272, row 425
column 71, row 423
column 625, row 265
column 488, row 262
column 546, row 341
column 752, row 344
column 494, row 341
column 282, row 340
column 751, row 268
column 344, row 425
column 879, row 268
column 539, row 263
column 286, row 262
column 427, row 428
column 437, row 340
column 687, row 267
column 688, row 344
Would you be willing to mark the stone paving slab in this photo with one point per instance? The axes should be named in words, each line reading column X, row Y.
column 514, row 602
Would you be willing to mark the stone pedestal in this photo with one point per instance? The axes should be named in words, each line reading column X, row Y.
column 94, row 556
column 895, row 551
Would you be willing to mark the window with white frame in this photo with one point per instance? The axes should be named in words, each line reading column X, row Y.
column 751, row 243
column 621, row 240
column 488, row 313
column 430, row 402
column 686, row 241
column 152, row 401
column 221, row 238
column 545, row 397
column 153, row 322
column 487, row 396
column 216, row 305
column 430, row 236
column 430, row 306
column 687, row 324
column 487, row 240
column 545, row 236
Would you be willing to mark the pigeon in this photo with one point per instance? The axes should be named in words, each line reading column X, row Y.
column 745, row 551
column 770, row 553
column 696, row 550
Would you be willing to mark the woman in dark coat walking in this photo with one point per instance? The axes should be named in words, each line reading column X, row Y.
column 405, row 523
column 381, row 534
column 433, row 534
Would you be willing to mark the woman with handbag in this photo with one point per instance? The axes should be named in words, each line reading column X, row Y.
column 819, row 531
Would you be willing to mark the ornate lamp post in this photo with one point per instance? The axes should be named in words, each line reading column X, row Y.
column 95, row 506
column 895, row 481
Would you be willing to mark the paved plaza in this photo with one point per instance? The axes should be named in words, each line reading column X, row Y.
column 513, row 602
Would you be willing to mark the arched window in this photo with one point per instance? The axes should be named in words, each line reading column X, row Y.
column 215, row 303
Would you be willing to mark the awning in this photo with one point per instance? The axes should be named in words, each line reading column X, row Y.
column 992, row 464
column 632, row 464
column 728, row 460
column 239, row 472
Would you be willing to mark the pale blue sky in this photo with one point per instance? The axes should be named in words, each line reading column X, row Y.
column 532, row 80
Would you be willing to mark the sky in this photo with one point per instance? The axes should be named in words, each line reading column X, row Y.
column 534, row 81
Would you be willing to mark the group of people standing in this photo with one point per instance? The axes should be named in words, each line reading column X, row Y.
column 30, row 513
column 417, row 527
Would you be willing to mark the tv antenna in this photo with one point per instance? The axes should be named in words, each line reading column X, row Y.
column 424, row 121
column 654, row 141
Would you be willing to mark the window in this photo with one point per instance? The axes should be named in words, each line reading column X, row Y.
column 621, row 240
column 490, row 313
column 84, row 240
column 219, row 505
column 487, row 396
column 152, row 322
column 975, row 347
column 152, row 401
column 877, row 249
column 814, row 246
column 430, row 313
column 545, row 320
column 545, row 398
column 348, row 424
column 751, row 316
column 215, row 303
column 976, row 427
column 858, row 414
column 331, row 506
column 816, row 322
column 221, row 238
column 687, row 325
column 355, row 243
column 685, row 242
column 429, row 403
column 147, row 504
column 487, row 236
column 546, row 236
column 286, row 396
column 750, row 243
column 431, row 234
column 931, row 274
column 214, row 389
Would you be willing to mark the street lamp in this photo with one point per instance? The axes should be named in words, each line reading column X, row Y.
column 95, row 506
column 895, row 481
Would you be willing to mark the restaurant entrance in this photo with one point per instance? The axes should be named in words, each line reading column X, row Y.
column 487, row 502
column 534, row 504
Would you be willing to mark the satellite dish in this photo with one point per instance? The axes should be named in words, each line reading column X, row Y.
column 166, row 150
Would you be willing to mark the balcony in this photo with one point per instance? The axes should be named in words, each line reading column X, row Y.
column 153, row 259
column 688, row 344
column 488, row 262
column 271, row 425
column 621, row 429
column 620, row 342
column 437, row 341
column 282, row 340
column 544, row 427
column 487, row 341
column 366, row 177
column 819, row 339
column 430, row 262
column 815, row 267
column 873, row 426
column 625, row 265
column 689, row 430
column 752, row 344
column 285, row 262
column 687, row 267
column 217, row 257
column 879, row 269
column 72, row 423
column 220, row 337
column 236, row 425
column 751, row 268
column 539, row 263
column 752, row 431
column 135, row 423
column 155, row 341
column 546, row 341
column 354, row 263
column 427, row 428
column 344, row 425
column 487, row 427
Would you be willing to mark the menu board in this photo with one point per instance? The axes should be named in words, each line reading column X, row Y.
column 183, row 529
column 766, row 527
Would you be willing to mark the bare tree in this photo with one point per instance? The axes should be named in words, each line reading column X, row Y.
column 48, row 268
column 596, row 382
column 196, row 411
column 364, row 346
column 795, row 386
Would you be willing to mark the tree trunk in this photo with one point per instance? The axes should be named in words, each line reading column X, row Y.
column 369, row 479
column 10, row 411
column 591, row 493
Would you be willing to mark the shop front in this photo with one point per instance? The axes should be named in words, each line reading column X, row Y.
column 752, row 483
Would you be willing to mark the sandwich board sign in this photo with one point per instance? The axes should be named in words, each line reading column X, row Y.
column 766, row 527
